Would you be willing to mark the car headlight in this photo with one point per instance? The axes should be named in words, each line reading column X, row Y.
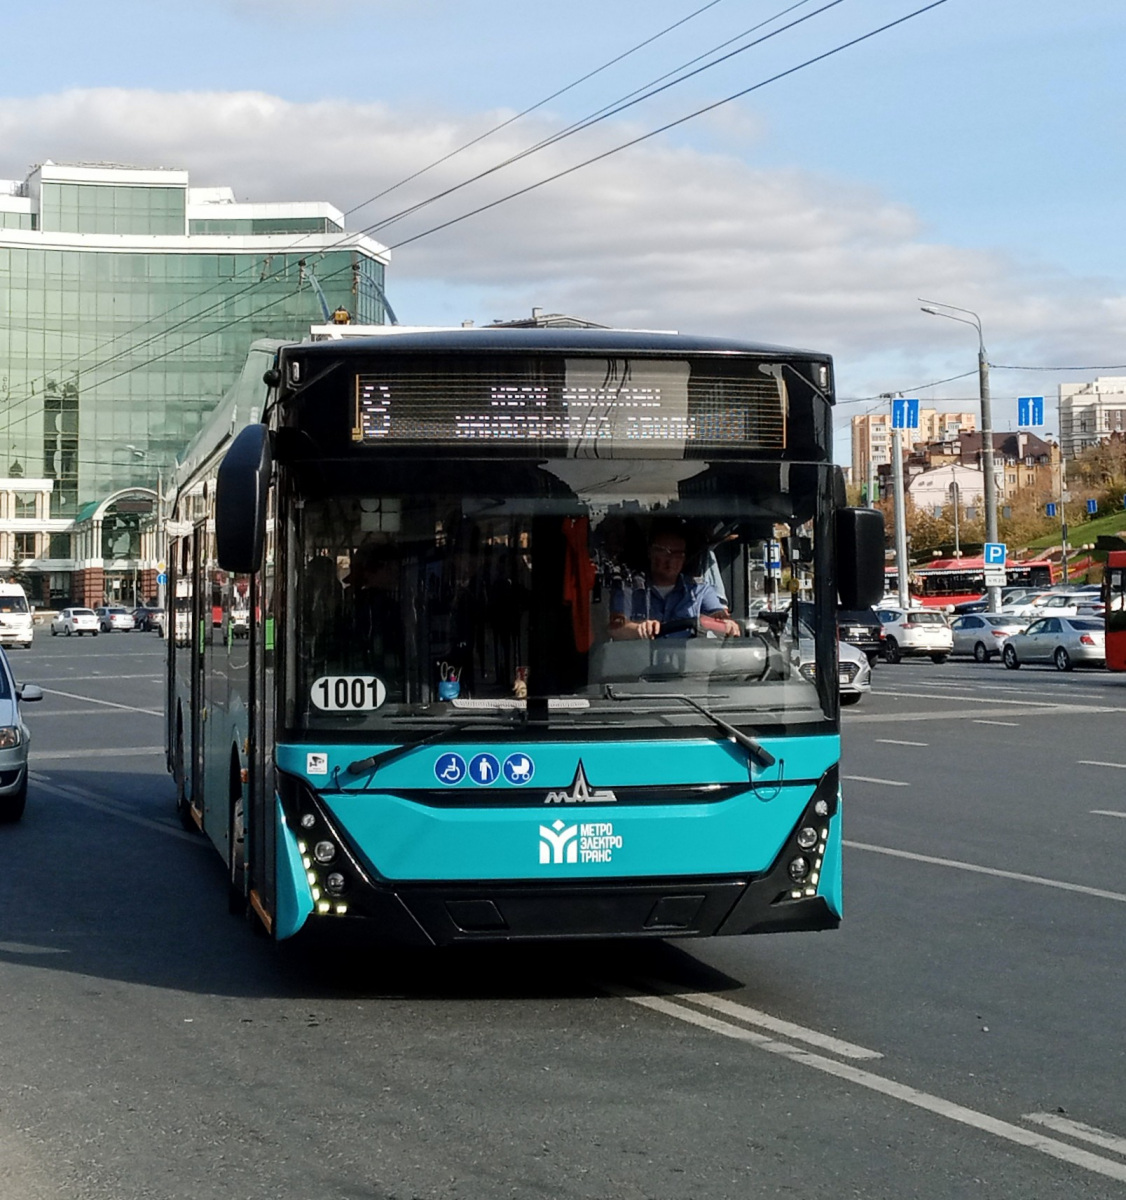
column 10, row 736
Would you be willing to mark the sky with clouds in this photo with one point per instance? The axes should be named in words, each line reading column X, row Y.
column 971, row 154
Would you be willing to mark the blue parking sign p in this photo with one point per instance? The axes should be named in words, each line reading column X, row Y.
column 994, row 554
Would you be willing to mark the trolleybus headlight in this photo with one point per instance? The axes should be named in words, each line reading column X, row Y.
column 334, row 884
column 799, row 869
column 325, row 852
column 821, row 808
column 308, row 820
column 807, row 837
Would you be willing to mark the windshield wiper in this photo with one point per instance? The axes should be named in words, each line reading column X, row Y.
column 368, row 766
column 752, row 745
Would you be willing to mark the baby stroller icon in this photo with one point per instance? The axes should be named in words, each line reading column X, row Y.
column 519, row 769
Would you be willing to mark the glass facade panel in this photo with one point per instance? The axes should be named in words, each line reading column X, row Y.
column 108, row 208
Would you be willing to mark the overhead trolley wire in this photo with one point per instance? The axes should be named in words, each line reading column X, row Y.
column 669, row 125
column 348, row 237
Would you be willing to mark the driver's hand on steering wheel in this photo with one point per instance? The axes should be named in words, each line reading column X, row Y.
column 648, row 629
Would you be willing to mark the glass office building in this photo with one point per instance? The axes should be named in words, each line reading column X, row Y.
column 128, row 300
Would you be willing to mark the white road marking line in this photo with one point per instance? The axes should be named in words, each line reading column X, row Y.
column 1101, row 893
column 1094, row 762
column 103, row 752
column 1084, row 1133
column 156, row 712
column 114, row 810
column 886, row 1087
column 869, row 779
column 755, row 1016
column 1106, row 812
column 1047, row 710
column 898, row 742
column 1008, row 724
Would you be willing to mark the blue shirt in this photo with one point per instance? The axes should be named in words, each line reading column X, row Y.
column 688, row 598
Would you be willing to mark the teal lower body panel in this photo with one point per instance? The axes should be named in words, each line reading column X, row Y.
column 432, row 866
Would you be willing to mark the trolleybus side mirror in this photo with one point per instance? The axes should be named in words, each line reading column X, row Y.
column 860, row 557
column 240, row 501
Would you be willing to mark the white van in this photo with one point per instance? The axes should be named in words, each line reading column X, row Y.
column 15, row 616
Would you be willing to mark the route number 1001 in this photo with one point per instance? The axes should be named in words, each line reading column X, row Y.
column 348, row 693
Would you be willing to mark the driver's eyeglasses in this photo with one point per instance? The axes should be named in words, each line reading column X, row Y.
column 667, row 552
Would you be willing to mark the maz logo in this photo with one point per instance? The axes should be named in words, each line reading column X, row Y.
column 581, row 792
column 559, row 844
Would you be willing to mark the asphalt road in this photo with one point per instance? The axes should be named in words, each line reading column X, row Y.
column 960, row 1035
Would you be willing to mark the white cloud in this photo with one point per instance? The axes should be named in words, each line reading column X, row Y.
column 660, row 236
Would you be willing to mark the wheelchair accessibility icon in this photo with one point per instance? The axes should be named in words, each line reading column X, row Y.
column 449, row 769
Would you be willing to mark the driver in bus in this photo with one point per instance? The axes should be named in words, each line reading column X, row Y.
column 669, row 595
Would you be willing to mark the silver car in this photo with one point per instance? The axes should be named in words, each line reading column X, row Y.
column 983, row 634
column 854, row 672
column 14, row 742
column 1066, row 641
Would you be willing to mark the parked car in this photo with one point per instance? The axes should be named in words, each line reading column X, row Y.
column 75, row 620
column 863, row 629
column 113, row 618
column 14, row 741
column 148, row 618
column 915, row 633
column 983, row 634
column 238, row 623
column 1065, row 641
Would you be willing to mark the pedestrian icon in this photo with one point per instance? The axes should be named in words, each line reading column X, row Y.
column 449, row 769
column 519, row 769
column 484, row 769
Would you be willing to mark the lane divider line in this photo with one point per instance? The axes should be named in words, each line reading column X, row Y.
column 755, row 1016
column 114, row 810
column 1106, row 812
column 1007, row 724
column 102, row 752
column 870, row 779
column 996, row 872
column 886, row 1087
column 1094, row 762
column 155, row 712
column 1079, row 1131
column 899, row 742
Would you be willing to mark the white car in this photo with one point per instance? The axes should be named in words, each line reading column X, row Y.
column 983, row 634
column 75, row 620
column 14, row 742
column 114, row 617
column 916, row 633
column 854, row 672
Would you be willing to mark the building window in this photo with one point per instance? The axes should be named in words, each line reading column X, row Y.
column 61, row 546
column 25, row 504
column 25, row 545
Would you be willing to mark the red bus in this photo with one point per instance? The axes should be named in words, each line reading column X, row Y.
column 945, row 581
column 1114, row 596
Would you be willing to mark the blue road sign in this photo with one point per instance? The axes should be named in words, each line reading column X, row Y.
column 994, row 554
column 905, row 414
column 1030, row 410
column 161, row 579
column 1092, row 506
column 1051, row 508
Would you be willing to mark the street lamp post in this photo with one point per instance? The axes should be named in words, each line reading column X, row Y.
column 990, row 481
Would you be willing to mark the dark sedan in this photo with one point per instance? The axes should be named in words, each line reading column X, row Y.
column 149, row 618
column 861, row 628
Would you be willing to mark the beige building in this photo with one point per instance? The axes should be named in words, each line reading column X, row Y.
column 1091, row 412
column 871, row 437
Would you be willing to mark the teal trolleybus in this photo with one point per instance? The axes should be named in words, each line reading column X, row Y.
column 494, row 634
